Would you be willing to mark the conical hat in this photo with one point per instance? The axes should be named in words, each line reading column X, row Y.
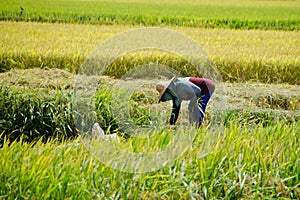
column 161, row 87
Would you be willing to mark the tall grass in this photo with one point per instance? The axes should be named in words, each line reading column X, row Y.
column 260, row 162
column 255, row 156
column 34, row 116
column 239, row 55
column 38, row 104
column 231, row 14
column 231, row 70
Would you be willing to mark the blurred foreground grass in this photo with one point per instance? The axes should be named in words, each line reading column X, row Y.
column 255, row 163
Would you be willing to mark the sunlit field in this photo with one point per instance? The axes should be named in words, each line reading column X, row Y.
column 247, row 14
column 240, row 55
column 247, row 148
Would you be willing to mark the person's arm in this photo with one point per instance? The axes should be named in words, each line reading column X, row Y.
column 175, row 111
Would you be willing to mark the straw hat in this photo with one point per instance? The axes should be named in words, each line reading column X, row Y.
column 161, row 87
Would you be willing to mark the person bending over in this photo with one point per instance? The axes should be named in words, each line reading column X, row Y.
column 196, row 90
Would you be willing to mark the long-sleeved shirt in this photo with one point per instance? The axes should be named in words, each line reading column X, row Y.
column 180, row 89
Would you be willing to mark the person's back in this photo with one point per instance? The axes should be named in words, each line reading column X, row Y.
column 197, row 90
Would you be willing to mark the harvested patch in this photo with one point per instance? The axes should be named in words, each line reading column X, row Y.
column 279, row 102
column 37, row 79
column 263, row 96
column 37, row 103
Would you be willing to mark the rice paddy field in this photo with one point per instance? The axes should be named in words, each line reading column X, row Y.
column 247, row 148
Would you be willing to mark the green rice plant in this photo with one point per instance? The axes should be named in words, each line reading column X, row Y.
column 254, row 156
column 133, row 60
column 249, row 163
column 34, row 116
column 27, row 61
column 238, row 55
column 106, row 118
column 260, row 70
column 137, row 106
column 231, row 70
column 280, row 15
column 140, row 115
column 37, row 103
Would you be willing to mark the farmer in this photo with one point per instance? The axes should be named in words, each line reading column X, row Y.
column 196, row 90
